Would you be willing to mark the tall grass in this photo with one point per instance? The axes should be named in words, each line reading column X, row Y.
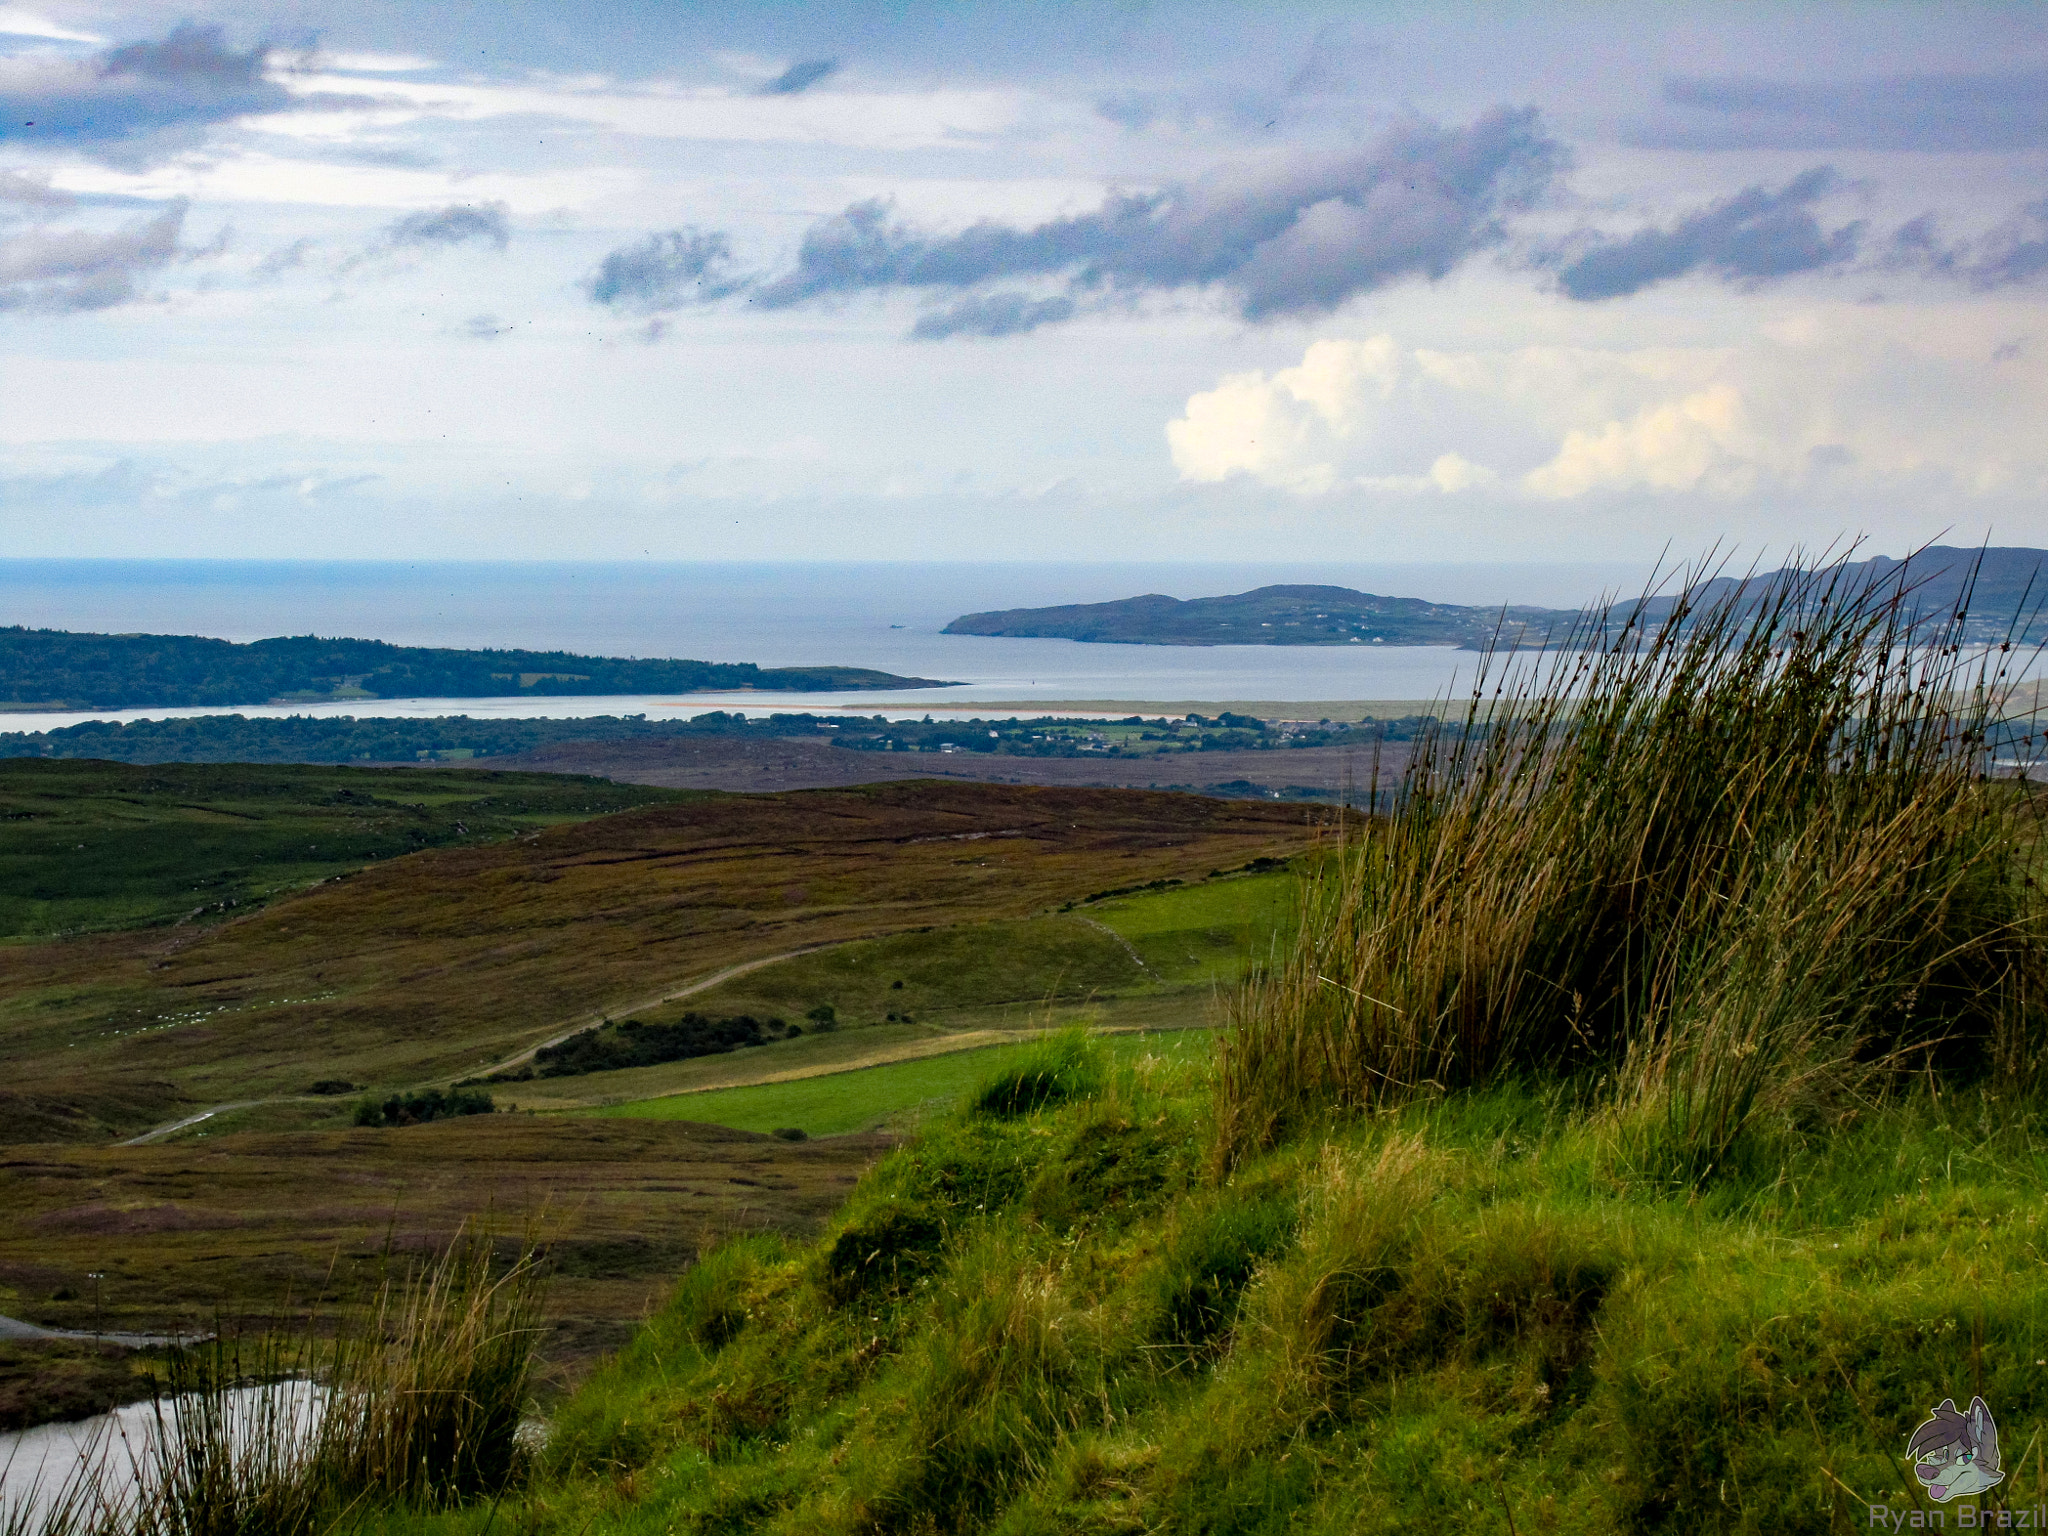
column 416, row 1405
column 1733, row 853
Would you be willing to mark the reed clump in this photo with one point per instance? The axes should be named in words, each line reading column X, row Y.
column 417, row 1406
column 1733, row 855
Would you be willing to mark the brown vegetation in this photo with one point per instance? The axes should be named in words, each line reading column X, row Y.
column 437, row 964
column 253, row 1226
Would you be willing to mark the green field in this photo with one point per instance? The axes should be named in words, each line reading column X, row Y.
column 92, row 846
column 874, row 1098
column 1186, row 938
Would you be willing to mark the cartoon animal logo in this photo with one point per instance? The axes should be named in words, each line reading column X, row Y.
column 1956, row 1453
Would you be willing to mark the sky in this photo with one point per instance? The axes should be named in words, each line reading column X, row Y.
column 1121, row 281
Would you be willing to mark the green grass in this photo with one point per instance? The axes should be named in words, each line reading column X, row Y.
column 1185, row 938
column 88, row 846
column 1464, row 1314
column 871, row 1098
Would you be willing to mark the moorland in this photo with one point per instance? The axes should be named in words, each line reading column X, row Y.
column 227, row 960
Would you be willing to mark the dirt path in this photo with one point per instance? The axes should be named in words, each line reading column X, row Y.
column 616, row 1010
column 586, row 1021
column 15, row 1330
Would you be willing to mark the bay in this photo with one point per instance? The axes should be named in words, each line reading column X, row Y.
column 887, row 616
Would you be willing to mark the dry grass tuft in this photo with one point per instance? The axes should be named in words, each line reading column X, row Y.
column 1734, row 853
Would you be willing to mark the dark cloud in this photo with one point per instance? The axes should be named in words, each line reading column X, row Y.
column 666, row 271
column 2005, row 111
column 457, row 224
column 799, row 77
column 1752, row 237
column 188, row 81
column 995, row 314
column 1290, row 236
column 68, row 271
column 2014, row 251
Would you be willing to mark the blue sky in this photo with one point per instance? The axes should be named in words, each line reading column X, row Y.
column 1125, row 281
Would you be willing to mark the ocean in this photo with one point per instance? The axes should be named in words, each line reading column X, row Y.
column 884, row 616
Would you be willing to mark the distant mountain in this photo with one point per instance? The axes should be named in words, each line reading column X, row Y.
column 55, row 669
column 1268, row 616
column 2008, row 587
column 2010, row 594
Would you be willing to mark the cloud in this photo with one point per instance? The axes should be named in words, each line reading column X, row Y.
column 68, row 271
column 1700, row 441
column 19, row 21
column 1298, row 234
column 457, row 224
column 189, row 80
column 32, row 192
column 667, row 270
column 1954, row 112
column 1752, row 237
column 995, row 314
column 799, row 77
column 2013, row 251
column 1848, row 401
column 284, row 259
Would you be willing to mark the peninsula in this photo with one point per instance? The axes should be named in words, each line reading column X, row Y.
column 1284, row 615
column 56, row 669
column 2004, row 590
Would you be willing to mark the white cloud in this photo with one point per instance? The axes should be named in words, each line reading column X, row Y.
column 19, row 21
column 1832, row 400
column 1702, row 441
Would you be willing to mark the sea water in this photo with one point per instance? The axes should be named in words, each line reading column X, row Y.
column 884, row 616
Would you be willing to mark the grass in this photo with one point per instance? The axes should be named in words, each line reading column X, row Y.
column 1186, row 939
column 880, row 1097
column 437, row 965
column 49, row 1380
column 1741, row 860
column 414, row 1404
column 91, row 846
column 258, row 1226
column 1640, row 1132
column 1463, row 1313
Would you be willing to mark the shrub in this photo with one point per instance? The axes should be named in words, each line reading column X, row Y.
column 421, row 1106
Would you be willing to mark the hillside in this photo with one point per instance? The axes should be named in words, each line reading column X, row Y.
column 256, row 952
column 1283, row 615
column 438, row 963
column 2006, row 587
column 56, row 669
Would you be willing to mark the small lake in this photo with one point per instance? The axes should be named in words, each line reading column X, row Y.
column 37, row 1464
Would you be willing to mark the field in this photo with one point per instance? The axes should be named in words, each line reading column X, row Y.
column 252, row 1227
column 443, row 963
column 365, row 958
column 91, row 846
column 894, row 1094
